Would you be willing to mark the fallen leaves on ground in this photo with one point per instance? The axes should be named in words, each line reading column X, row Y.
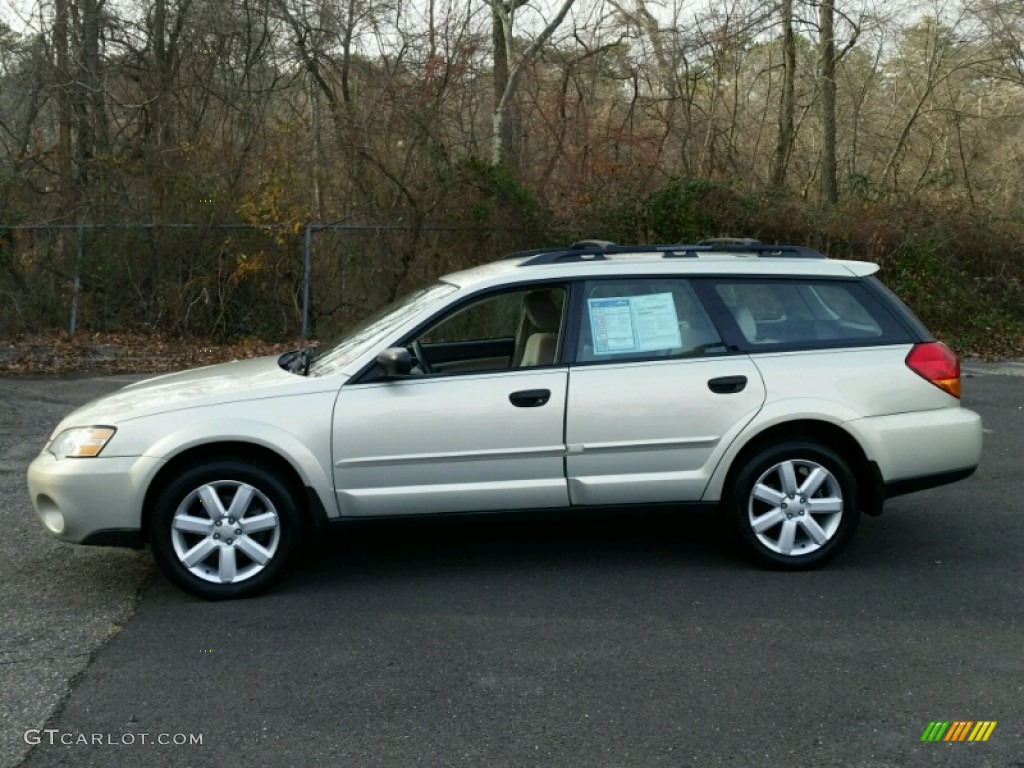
column 63, row 353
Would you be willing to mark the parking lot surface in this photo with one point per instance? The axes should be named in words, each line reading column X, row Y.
column 632, row 640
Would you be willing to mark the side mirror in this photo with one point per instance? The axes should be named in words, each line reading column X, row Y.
column 395, row 362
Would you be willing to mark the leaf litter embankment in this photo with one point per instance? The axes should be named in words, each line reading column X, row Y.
column 63, row 354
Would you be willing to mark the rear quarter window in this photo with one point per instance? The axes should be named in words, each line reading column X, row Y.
column 814, row 313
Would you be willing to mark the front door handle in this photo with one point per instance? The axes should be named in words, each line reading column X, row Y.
column 727, row 385
column 530, row 398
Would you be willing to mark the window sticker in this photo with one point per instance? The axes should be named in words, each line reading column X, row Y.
column 631, row 324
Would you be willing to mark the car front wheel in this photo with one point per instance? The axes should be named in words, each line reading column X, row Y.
column 794, row 505
column 224, row 529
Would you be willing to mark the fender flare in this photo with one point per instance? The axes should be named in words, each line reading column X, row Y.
column 286, row 445
column 777, row 413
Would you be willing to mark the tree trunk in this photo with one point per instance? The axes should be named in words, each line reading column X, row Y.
column 93, row 76
column 787, row 102
column 163, row 124
column 827, row 74
column 506, row 74
column 503, row 136
column 319, row 161
column 346, row 53
column 64, row 166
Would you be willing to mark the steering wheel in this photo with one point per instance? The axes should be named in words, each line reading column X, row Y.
column 421, row 359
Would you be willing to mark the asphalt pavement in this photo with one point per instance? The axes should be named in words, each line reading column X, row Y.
column 58, row 603
column 641, row 639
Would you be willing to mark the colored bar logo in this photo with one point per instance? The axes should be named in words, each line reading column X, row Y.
column 958, row 730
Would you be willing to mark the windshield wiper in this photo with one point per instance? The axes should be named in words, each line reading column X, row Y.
column 297, row 361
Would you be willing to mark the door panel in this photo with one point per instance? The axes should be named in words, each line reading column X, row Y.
column 654, row 431
column 450, row 444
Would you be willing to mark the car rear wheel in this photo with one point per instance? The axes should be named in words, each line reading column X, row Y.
column 794, row 505
column 225, row 529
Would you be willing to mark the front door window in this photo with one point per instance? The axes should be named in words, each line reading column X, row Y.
column 514, row 329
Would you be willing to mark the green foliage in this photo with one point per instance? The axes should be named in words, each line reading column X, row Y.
column 860, row 186
column 491, row 196
column 977, row 313
column 689, row 210
column 620, row 221
column 500, row 191
column 679, row 212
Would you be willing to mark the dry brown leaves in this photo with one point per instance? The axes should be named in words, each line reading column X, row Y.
column 62, row 353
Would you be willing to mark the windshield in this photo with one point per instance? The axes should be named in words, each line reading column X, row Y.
column 374, row 329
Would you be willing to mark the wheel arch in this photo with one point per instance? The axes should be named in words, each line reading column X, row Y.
column 307, row 501
column 869, row 486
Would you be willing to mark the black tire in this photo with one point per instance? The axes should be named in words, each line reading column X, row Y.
column 264, row 496
column 806, row 525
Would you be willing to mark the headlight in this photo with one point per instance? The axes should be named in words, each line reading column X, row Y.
column 81, row 442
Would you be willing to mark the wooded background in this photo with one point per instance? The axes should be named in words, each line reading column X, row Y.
column 890, row 132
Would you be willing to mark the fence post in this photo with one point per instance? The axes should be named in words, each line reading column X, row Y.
column 307, row 268
column 77, row 282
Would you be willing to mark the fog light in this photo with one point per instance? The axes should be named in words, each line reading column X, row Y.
column 51, row 514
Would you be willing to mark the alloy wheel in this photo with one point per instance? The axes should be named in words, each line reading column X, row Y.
column 795, row 507
column 225, row 531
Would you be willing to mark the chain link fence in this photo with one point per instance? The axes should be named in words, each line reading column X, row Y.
column 223, row 281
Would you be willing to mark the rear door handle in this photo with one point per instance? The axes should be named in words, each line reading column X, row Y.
column 727, row 385
column 530, row 398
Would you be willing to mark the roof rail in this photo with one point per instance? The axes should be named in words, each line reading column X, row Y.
column 558, row 255
column 748, row 248
column 599, row 250
column 581, row 250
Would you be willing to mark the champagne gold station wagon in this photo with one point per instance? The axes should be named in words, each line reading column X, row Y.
column 791, row 391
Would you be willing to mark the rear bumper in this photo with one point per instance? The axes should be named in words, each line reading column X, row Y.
column 922, row 449
column 913, row 484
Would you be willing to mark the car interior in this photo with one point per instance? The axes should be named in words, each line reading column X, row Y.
column 786, row 313
column 518, row 329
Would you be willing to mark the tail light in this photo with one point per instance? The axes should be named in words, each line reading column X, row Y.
column 938, row 364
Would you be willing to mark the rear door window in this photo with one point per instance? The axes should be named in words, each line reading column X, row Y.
column 643, row 318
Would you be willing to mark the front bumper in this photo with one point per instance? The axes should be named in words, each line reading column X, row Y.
column 83, row 500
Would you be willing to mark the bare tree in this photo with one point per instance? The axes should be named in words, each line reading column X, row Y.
column 829, row 56
column 673, row 79
column 827, row 76
column 63, row 98
column 928, row 56
column 787, row 100
column 507, row 69
column 166, row 27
